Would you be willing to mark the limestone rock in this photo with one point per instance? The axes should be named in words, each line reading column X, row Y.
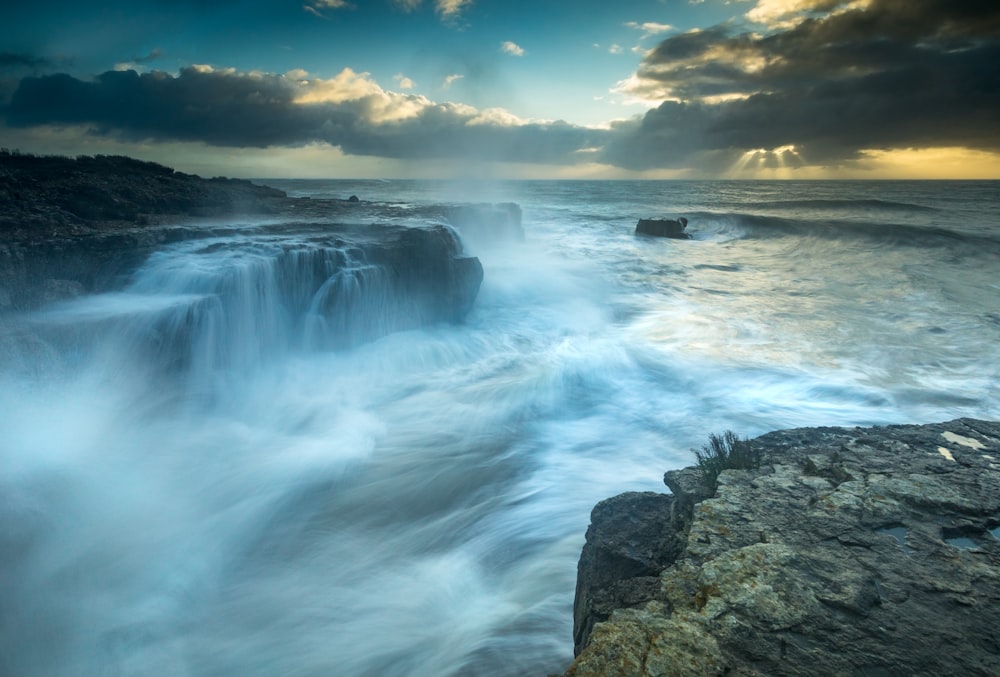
column 629, row 542
column 850, row 551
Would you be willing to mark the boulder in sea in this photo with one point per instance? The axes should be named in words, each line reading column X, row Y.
column 673, row 228
column 849, row 551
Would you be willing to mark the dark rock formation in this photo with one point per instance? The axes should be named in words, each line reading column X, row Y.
column 69, row 227
column 627, row 547
column 43, row 270
column 43, row 197
column 428, row 269
column 850, row 551
column 663, row 228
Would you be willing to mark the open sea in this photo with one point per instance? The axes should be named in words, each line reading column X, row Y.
column 416, row 504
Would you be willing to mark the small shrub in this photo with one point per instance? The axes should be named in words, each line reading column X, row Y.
column 725, row 452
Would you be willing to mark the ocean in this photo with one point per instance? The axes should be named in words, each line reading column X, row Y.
column 416, row 504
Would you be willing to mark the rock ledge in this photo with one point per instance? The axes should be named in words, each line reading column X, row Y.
column 850, row 551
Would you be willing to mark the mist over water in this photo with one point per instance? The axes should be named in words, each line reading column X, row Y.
column 201, row 477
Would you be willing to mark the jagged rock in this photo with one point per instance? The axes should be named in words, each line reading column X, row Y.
column 850, row 551
column 629, row 542
column 663, row 228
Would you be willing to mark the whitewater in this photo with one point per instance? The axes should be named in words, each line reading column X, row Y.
column 281, row 497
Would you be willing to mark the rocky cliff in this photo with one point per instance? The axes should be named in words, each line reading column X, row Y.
column 848, row 552
column 74, row 226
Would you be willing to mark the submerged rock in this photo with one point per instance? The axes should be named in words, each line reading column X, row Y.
column 850, row 551
column 663, row 228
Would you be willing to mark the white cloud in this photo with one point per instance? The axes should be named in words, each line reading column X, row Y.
column 649, row 27
column 615, row 49
column 450, row 8
column 496, row 117
column 314, row 6
column 637, row 91
column 787, row 13
column 512, row 48
column 372, row 102
column 403, row 81
column 449, row 80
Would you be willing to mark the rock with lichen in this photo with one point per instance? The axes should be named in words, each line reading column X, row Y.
column 849, row 551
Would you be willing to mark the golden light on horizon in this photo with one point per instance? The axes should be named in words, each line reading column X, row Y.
column 785, row 162
column 930, row 163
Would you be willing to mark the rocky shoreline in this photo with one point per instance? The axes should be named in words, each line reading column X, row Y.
column 44, row 197
column 865, row 551
column 70, row 227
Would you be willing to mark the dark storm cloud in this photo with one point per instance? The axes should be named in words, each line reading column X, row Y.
column 10, row 61
column 152, row 56
column 899, row 73
column 12, row 67
column 225, row 108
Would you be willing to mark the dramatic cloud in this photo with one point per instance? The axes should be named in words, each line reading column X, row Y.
column 829, row 79
column 512, row 48
column 234, row 109
column 785, row 13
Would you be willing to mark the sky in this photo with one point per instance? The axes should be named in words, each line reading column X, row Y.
column 796, row 89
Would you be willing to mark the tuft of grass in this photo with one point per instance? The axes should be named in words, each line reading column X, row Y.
column 724, row 452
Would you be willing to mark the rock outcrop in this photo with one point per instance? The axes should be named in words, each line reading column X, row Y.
column 75, row 226
column 849, row 552
column 672, row 228
column 47, row 196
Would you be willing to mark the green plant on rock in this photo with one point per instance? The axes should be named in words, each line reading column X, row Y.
column 724, row 452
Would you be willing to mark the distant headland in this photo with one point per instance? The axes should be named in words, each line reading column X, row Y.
column 53, row 196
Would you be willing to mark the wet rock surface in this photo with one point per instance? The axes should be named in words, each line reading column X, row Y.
column 672, row 228
column 69, row 227
column 850, row 551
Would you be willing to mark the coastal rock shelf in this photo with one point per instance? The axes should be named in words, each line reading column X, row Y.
column 868, row 551
column 74, row 227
